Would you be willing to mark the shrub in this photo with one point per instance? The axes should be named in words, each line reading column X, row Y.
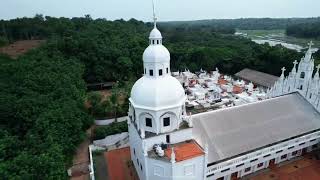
column 114, row 128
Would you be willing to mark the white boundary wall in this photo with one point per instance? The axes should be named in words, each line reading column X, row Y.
column 104, row 122
column 91, row 164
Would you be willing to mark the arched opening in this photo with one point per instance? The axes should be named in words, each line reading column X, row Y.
column 134, row 114
column 168, row 121
column 302, row 75
column 147, row 121
column 301, row 87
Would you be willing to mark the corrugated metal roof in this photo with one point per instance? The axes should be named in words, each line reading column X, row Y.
column 259, row 78
column 233, row 131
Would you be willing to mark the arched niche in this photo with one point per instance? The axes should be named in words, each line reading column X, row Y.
column 168, row 122
column 302, row 75
column 147, row 121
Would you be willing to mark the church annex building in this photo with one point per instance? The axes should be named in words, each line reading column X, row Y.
column 166, row 143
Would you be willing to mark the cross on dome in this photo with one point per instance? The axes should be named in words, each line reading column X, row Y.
column 310, row 44
column 283, row 70
column 295, row 63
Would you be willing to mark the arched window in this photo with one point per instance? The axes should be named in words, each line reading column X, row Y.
column 134, row 115
column 160, row 72
column 301, row 87
column 148, row 122
column 302, row 75
column 166, row 121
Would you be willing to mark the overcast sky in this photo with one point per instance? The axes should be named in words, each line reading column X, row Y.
column 167, row 10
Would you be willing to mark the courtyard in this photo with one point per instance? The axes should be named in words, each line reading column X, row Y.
column 306, row 167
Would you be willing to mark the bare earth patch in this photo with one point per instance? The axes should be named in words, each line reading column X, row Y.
column 20, row 47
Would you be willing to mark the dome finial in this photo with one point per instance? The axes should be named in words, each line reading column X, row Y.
column 154, row 15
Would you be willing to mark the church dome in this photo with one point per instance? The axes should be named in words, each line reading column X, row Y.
column 155, row 34
column 156, row 53
column 157, row 93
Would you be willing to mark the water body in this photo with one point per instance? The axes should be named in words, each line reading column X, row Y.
column 275, row 42
column 276, row 37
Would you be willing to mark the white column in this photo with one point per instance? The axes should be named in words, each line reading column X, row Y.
column 227, row 177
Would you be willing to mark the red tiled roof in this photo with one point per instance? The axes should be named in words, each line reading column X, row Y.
column 222, row 81
column 237, row 89
column 184, row 151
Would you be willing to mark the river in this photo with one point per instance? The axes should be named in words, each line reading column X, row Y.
column 276, row 37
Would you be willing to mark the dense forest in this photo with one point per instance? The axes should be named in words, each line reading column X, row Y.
column 249, row 23
column 304, row 30
column 42, row 114
column 42, row 117
column 112, row 50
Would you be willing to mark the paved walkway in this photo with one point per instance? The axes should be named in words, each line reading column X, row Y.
column 81, row 160
column 307, row 168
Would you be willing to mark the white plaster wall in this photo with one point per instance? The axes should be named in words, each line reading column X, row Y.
column 197, row 164
column 159, row 170
column 175, row 171
column 175, row 137
column 136, row 145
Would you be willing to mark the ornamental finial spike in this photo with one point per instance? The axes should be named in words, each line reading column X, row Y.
column 173, row 156
column 283, row 70
column 154, row 14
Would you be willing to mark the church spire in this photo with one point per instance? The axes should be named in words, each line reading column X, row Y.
column 308, row 56
column 154, row 15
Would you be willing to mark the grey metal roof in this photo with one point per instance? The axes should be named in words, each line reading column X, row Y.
column 259, row 78
column 233, row 131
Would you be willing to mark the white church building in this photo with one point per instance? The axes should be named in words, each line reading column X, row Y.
column 168, row 144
